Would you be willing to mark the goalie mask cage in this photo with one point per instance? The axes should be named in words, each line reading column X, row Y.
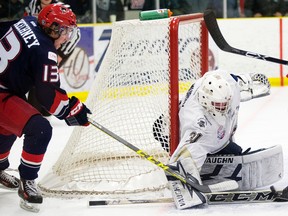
column 148, row 66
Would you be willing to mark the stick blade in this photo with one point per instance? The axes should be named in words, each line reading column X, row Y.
column 93, row 203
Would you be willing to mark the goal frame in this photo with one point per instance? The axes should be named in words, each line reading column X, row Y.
column 174, row 69
column 86, row 167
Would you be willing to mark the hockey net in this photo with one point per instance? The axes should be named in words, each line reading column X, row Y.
column 147, row 67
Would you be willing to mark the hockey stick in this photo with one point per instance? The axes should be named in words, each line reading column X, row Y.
column 229, row 197
column 222, row 186
column 214, row 30
column 92, row 203
column 253, row 196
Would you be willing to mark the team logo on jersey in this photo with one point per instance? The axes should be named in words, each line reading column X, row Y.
column 202, row 122
column 52, row 56
column 220, row 132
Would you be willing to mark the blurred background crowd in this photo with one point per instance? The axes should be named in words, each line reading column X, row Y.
column 92, row 11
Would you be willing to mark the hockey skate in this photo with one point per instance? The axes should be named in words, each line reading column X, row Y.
column 8, row 181
column 30, row 195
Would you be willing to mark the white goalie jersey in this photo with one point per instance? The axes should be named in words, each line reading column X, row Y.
column 205, row 134
column 200, row 133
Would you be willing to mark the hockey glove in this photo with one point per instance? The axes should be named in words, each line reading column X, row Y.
column 253, row 86
column 78, row 113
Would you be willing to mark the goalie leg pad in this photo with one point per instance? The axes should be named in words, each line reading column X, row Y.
column 184, row 196
column 253, row 170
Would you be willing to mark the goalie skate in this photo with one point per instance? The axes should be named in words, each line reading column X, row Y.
column 30, row 195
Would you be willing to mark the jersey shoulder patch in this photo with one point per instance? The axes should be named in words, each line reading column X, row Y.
column 52, row 56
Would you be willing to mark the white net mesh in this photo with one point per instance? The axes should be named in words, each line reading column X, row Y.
column 130, row 92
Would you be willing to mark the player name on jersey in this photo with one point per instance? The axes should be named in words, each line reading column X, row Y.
column 27, row 34
column 219, row 160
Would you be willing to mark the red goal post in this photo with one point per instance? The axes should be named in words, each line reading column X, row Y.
column 174, row 84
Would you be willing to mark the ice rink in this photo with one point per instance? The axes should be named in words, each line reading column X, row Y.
column 263, row 122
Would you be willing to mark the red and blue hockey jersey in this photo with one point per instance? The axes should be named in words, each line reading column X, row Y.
column 28, row 58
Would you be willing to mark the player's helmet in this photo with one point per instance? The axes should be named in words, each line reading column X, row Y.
column 215, row 94
column 58, row 15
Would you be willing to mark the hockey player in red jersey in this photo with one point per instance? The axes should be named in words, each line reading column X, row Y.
column 63, row 52
column 28, row 57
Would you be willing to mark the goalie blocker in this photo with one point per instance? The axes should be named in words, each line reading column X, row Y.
column 252, row 170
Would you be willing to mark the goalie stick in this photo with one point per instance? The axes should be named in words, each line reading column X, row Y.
column 222, row 186
column 229, row 197
column 214, row 30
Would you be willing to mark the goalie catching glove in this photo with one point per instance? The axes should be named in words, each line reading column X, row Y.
column 253, row 86
column 78, row 113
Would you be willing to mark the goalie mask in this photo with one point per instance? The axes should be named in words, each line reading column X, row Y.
column 215, row 94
